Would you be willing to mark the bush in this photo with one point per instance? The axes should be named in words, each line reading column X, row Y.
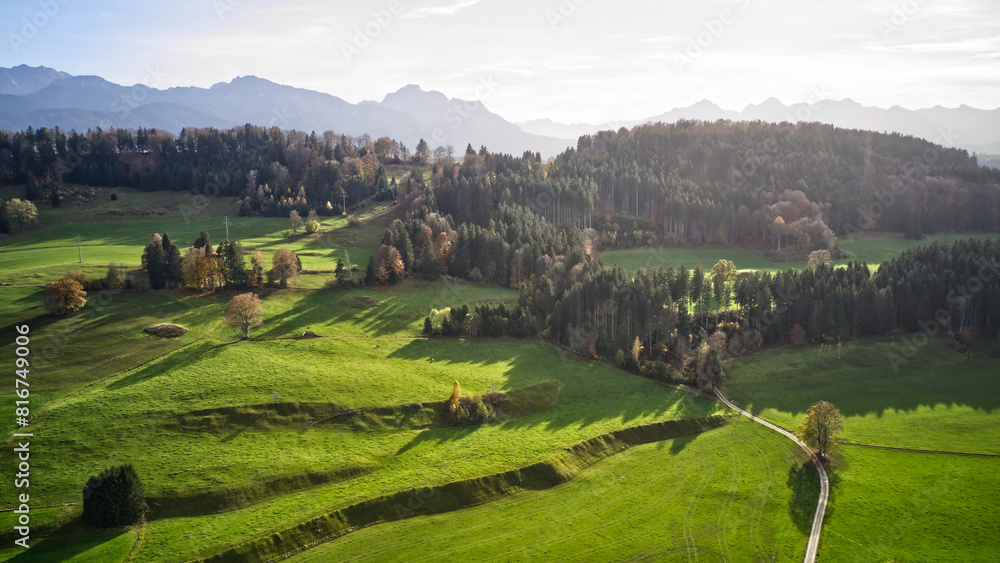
column 76, row 275
column 353, row 221
column 312, row 226
column 166, row 330
column 113, row 499
column 114, row 196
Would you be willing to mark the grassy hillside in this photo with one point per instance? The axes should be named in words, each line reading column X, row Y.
column 738, row 492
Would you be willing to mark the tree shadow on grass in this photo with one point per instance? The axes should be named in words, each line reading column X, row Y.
column 589, row 393
column 70, row 540
column 681, row 442
column 803, row 480
column 438, row 436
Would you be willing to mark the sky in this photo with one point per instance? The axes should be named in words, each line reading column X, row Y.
column 586, row 61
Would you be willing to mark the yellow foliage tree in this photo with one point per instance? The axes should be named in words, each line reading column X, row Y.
column 822, row 428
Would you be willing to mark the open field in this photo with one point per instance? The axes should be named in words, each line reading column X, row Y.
column 902, row 506
column 895, row 505
column 942, row 399
column 734, row 493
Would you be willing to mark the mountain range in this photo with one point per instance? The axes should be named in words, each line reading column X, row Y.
column 976, row 130
column 41, row 96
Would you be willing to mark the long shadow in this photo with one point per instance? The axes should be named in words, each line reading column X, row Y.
column 678, row 444
column 438, row 436
column 803, row 480
column 70, row 540
column 576, row 406
column 192, row 355
column 866, row 384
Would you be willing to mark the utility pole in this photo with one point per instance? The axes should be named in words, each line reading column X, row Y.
column 344, row 206
column 227, row 228
column 79, row 248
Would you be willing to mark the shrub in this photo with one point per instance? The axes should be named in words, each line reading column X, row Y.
column 312, row 226
column 166, row 330
column 114, row 498
column 77, row 275
column 353, row 221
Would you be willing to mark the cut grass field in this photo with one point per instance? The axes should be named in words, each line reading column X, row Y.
column 895, row 505
column 734, row 493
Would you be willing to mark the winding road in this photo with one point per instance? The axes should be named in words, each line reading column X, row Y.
column 824, row 488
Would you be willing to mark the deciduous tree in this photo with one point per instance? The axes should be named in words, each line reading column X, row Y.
column 284, row 266
column 822, row 428
column 245, row 312
column 64, row 297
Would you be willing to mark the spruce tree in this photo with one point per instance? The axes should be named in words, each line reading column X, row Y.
column 172, row 262
column 155, row 262
column 114, row 498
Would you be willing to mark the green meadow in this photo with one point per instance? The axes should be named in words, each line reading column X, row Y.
column 890, row 505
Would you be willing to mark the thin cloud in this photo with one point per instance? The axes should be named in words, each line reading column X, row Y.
column 448, row 10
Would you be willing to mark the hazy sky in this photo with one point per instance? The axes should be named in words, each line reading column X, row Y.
column 571, row 60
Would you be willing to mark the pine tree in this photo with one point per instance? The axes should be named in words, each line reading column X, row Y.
column 340, row 273
column 174, row 274
column 203, row 241
column 155, row 262
column 370, row 275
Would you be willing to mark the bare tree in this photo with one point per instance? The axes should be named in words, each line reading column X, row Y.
column 296, row 221
column 245, row 312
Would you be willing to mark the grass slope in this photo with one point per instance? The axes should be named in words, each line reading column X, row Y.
column 942, row 399
column 733, row 493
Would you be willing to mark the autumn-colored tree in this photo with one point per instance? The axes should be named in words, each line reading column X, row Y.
column 284, row 266
column 245, row 312
column 312, row 226
column 819, row 258
column 295, row 220
column 822, row 427
column 64, row 297
column 256, row 268
column 797, row 335
column 389, row 267
column 22, row 211
column 637, row 349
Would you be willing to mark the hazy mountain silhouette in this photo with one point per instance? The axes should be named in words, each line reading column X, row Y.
column 976, row 130
column 39, row 96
